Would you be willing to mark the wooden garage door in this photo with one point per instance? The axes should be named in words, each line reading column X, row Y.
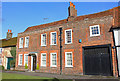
column 97, row 61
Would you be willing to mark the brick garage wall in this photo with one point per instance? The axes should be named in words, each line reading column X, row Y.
column 80, row 30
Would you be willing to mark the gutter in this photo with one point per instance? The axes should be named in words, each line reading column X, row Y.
column 60, row 30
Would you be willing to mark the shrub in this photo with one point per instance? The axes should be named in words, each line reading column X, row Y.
column 2, row 67
column 37, row 66
column 26, row 67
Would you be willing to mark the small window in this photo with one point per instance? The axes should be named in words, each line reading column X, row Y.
column 53, row 38
column 20, row 59
column 53, row 60
column 68, row 59
column 43, row 39
column 21, row 43
column 43, row 59
column 68, row 36
column 26, row 41
column 94, row 30
column 25, row 59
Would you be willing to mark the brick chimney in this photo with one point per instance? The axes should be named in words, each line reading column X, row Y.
column 72, row 12
column 9, row 34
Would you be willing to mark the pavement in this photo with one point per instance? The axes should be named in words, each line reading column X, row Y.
column 63, row 76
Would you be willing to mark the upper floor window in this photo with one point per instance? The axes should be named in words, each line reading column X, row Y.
column 53, row 38
column 43, row 39
column 27, row 41
column 94, row 30
column 25, row 59
column 53, row 61
column 68, row 59
column 68, row 36
column 20, row 59
column 21, row 43
column 43, row 59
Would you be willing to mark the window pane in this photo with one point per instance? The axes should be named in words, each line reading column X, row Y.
column 54, row 62
column 53, row 38
column 95, row 30
column 43, row 59
column 69, row 59
column 68, row 36
column 43, row 39
column 20, row 59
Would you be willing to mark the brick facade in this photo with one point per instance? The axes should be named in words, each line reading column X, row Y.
column 80, row 30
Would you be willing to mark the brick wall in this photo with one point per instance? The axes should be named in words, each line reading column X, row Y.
column 80, row 30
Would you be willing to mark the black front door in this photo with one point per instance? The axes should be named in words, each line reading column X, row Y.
column 34, row 62
column 97, row 61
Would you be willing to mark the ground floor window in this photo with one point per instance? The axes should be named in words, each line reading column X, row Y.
column 53, row 59
column 68, row 59
column 43, row 59
column 20, row 59
column 25, row 59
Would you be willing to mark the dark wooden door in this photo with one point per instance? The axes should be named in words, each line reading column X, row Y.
column 34, row 63
column 97, row 61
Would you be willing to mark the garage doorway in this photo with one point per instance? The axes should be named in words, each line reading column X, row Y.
column 97, row 60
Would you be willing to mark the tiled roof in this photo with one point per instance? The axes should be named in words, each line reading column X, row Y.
column 78, row 18
column 8, row 42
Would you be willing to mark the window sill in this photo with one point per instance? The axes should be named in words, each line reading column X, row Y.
column 43, row 66
column 53, row 44
column 19, row 65
column 25, row 47
column 21, row 48
column 43, row 45
column 68, row 43
column 68, row 66
column 94, row 35
column 53, row 66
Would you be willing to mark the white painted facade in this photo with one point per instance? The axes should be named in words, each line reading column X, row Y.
column 117, row 42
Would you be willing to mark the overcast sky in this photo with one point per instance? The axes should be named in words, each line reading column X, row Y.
column 18, row 16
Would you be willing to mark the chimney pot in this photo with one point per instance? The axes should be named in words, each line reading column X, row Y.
column 74, row 6
column 10, row 31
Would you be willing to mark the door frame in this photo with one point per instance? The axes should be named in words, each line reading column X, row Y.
column 110, row 51
column 32, row 62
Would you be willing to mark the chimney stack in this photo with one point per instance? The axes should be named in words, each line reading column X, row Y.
column 72, row 11
column 9, row 34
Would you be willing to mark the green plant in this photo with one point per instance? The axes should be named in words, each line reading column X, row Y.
column 12, row 63
column 2, row 67
column 37, row 66
column 26, row 67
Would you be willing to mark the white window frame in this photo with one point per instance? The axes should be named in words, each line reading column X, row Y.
column 51, row 60
column 25, row 59
column 66, row 60
column 19, row 59
column 66, row 36
column 21, row 45
column 42, row 59
column 42, row 39
column 91, row 35
column 52, row 37
column 26, row 46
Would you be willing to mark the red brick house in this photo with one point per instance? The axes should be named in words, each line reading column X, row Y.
column 76, row 45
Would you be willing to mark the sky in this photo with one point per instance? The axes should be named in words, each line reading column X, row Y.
column 18, row 16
